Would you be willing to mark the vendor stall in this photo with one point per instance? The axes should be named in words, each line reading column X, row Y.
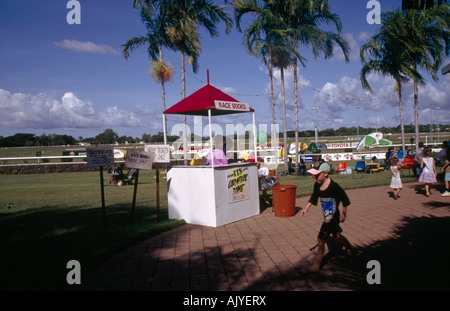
column 212, row 195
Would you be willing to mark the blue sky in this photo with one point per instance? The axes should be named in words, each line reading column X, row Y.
column 72, row 79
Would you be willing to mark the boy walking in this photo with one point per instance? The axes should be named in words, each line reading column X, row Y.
column 331, row 195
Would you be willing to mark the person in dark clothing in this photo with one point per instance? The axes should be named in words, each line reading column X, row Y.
column 331, row 195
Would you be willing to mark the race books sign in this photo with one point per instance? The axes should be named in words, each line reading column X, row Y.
column 100, row 156
column 139, row 160
column 234, row 106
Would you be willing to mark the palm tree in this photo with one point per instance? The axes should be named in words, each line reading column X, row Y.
column 186, row 16
column 268, row 31
column 427, row 36
column 303, row 20
column 281, row 26
column 155, row 39
column 256, row 39
column 420, row 4
column 388, row 56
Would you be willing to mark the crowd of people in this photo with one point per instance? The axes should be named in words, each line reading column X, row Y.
column 331, row 195
column 425, row 169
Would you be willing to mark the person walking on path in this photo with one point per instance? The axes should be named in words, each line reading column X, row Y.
column 418, row 158
column 331, row 195
column 396, row 181
column 428, row 175
column 446, row 170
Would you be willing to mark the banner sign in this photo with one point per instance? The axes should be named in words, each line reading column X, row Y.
column 235, row 106
column 307, row 158
column 100, row 156
column 139, row 160
column 161, row 153
column 341, row 145
column 237, row 184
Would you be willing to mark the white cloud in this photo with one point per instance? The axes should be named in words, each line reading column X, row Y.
column 86, row 47
column 303, row 84
column 346, row 94
column 142, row 111
column 363, row 35
column 44, row 111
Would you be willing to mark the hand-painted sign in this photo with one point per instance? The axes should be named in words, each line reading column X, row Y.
column 161, row 153
column 139, row 160
column 237, row 181
column 100, row 156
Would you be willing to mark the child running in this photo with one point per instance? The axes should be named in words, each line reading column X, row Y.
column 331, row 195
column 396, row 181
column 428, row 175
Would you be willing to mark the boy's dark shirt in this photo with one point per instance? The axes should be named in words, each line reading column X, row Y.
column 330, row 199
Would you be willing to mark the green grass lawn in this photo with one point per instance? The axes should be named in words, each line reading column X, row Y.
column 58, row 218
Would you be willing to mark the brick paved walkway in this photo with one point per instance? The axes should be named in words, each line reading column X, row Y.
column 408, row 237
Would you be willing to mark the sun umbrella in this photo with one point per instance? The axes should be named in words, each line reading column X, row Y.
column 301, row 147
column 291, row 149
column 373, row 140
column 315, row 147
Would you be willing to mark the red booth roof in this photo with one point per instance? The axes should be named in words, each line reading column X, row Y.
column 208, row 97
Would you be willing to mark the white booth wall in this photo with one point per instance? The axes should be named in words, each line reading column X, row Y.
column 203, row 195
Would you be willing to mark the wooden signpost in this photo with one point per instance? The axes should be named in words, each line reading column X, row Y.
column 101, row 157
column 161, row 154
column 138, row 160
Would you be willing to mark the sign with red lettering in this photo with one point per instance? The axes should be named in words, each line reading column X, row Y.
column 236, row 106
column 338, row 145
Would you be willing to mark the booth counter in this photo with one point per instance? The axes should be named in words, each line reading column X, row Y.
column 213, row 196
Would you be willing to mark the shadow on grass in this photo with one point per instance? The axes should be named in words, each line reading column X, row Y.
column 37, row 244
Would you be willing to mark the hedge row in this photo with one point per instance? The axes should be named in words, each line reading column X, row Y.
column 45, row 168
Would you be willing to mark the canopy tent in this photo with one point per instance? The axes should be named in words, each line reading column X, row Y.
column 373, row 140
column 210, row 101
column 208, row 98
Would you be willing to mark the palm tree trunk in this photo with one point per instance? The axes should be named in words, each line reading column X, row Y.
column 402, row 126
column 183, row 94
column 274, row 140
column 163, row 97
column 272, row 93
column 297, row 156
column 416, row 114
column 286, row 164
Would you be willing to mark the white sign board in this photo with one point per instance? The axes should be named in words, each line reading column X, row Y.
column 161, row 153
column 139, row 160
column 341, row 145
column 100, row 156
column 235, row 106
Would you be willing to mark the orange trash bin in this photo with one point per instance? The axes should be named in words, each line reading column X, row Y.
column 283, row 200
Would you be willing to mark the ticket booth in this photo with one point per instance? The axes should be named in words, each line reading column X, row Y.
column 212, row 195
